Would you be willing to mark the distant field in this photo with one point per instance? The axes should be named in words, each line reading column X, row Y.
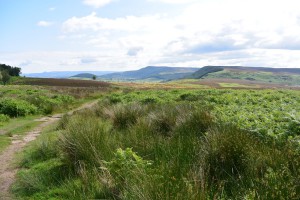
column 218, row 83
column 288, row 79
column 61, row 82
column 235, row 84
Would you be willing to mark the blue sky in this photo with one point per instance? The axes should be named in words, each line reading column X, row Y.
column 65, row 35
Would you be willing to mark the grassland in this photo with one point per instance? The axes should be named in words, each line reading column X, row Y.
column 141, row 143
column 21, row 104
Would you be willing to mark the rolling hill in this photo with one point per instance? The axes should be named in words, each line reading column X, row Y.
column 63, row 74
column 83, row 76
column 151, row 73
column 286, row 76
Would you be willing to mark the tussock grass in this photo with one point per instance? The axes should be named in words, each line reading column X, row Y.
column 159, row 150
column 85, row 141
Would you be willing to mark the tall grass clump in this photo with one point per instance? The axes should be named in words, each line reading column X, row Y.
column 234, row 163
column 124, row 116
column 226, row 161
column 85, row 140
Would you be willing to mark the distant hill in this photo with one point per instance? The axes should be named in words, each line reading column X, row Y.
column 63, row 74
column 204, row 71
column 287, row 76
column 151, row 73
column 83, row 76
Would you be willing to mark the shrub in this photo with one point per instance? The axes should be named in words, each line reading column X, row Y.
column 47, row 104
column 15, row 108
column 114, row 99
column 4, row 118
column 188, row 97
column 149, row 100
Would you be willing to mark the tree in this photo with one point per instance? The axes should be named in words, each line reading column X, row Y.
column 94, row 77
column 5, row 77
column 12, row 71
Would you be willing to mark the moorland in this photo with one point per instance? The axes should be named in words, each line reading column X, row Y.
column 210, row 137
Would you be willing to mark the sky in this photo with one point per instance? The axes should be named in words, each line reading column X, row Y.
column 119, row 35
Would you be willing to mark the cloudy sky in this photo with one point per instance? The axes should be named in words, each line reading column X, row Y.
column 118, row 35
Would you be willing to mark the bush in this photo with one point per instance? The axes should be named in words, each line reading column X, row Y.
column 189, row 97
column 16, row 108
column 149, row 100
column 48, row 104
column 114, row 99
column 4, row 118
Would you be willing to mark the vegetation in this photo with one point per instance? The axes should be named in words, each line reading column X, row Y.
column 21, row 105
column 205, row 71
column 150, row 73
column 12, row 71
column 22, row 101
column 5, row 77
column 263, row 75
column 84, row 76
column 175, row 144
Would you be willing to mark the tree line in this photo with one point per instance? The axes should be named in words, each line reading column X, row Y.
column 6, row 71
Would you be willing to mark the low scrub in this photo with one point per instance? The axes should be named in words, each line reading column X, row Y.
column 16, row 108
column 4, row 118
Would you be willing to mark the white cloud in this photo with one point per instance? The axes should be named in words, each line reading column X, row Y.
column 95, row 23
column 45, row 23
column 52, row 9
column 206, row 32
column 97, row 3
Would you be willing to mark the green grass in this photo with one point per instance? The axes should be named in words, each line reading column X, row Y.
column 17, row 126
column 4, row 142
column 170, row 144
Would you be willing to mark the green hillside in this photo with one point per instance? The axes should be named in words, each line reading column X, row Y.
column 286, row 76
column 84, row 76
column 151, row 74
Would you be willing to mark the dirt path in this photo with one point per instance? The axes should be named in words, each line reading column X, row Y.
column 7, row 171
